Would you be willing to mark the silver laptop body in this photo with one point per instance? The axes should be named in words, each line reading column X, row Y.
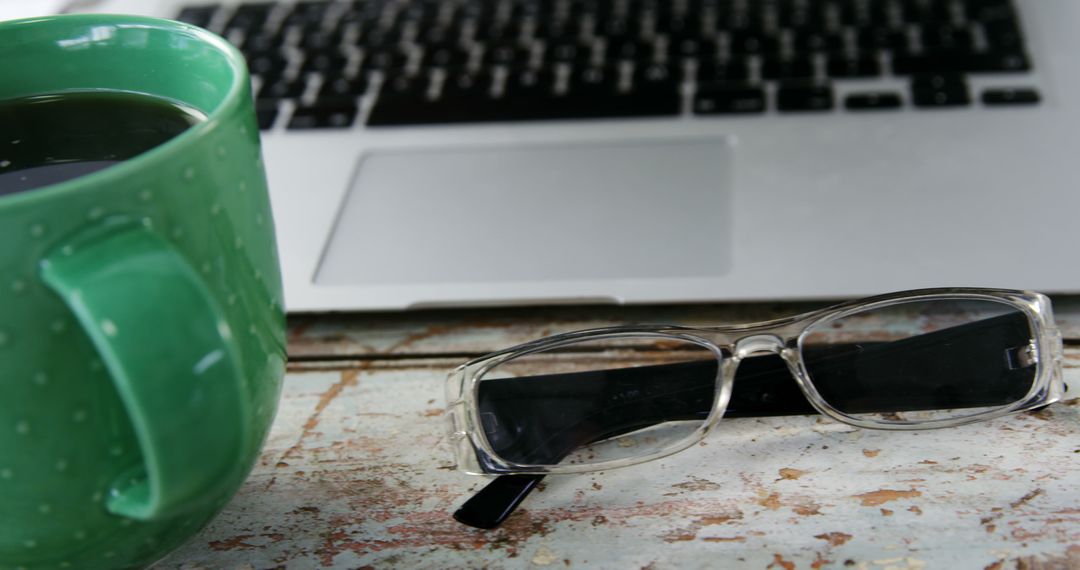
column 686, row 207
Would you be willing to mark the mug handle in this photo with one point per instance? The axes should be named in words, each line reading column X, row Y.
column 172, row 359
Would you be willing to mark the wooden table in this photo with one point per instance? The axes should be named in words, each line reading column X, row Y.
column 357, row 472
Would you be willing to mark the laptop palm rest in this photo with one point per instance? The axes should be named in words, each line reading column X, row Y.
column 582, row 211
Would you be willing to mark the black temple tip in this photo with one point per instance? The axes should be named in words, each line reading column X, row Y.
column 489, row 507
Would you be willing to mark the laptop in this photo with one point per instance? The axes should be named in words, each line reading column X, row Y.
column 511, row 152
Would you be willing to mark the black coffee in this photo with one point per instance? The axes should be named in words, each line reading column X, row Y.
column 47, row 139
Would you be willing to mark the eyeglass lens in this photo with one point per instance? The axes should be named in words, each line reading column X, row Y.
column 938, row 359
column 597, row 400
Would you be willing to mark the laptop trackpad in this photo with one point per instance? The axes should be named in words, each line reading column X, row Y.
column 596, row 211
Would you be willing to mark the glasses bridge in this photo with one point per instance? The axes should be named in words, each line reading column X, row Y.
column 759, row 345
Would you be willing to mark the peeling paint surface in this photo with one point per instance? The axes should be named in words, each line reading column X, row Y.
column 357, row 473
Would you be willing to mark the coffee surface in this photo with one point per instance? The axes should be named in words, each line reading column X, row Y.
column 46, row 139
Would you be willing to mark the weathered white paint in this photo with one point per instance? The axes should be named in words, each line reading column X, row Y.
column 356, row 473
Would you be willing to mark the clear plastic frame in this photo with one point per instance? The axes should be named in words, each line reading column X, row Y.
column 1028, row 350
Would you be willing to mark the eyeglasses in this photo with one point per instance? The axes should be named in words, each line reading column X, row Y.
column 612, row 397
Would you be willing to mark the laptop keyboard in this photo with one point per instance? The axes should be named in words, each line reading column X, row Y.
column 383, row 63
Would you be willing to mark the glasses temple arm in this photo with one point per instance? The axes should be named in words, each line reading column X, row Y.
column 490, row 506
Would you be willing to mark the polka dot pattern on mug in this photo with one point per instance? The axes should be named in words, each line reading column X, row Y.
column 228, row 253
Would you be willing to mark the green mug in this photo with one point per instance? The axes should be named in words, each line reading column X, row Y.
column 141, row 319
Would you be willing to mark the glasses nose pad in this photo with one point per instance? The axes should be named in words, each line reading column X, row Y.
column 764, row 383
column 757, row 345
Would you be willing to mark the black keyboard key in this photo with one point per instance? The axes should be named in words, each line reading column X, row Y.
column 567, row 52
column 939, row 90
column 250, row 17
column 508, row 54
column 691, row 47
column 736, row 20
column 261, row 43
column 366, row 14
column 817, row 42
column 804, row 96
column 990, row 10
column 198, row 15
column 992, row 62
column 787, row 68
column 471, row 85
column 655, row 76
column 267, row 64
column 533, row 105
column 904, row 63
column 324, row 114
column 594, row 80
column 652, row 103
column 999, row 23
column 870, row 39
column 648, row 103
column 947, row 38
column 856, row 65
column 390, row 60
column 404, row 87
column 528, row 83
column 959, row 62
column 921, row 11
column 331, row 61
column 1011, row 96
column 557, row 31
column 753, row 42
column 938, row 80
column 438, row 37
column 873, row 101
column 492, row 33
column 681, row 25
column 1004, row 36
column 320, row 40
column 616, row 28
column 420, row 14
column 630, row 49
column 801, row 15
column 724, row 70
column 994, row 15
column 266, row 113
column 308, row 14
column 379, row 38
column 859, row 14
column 389, row 111
column 282, row 89
column 445, row 58
column 728, row 98
column 342, row 87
